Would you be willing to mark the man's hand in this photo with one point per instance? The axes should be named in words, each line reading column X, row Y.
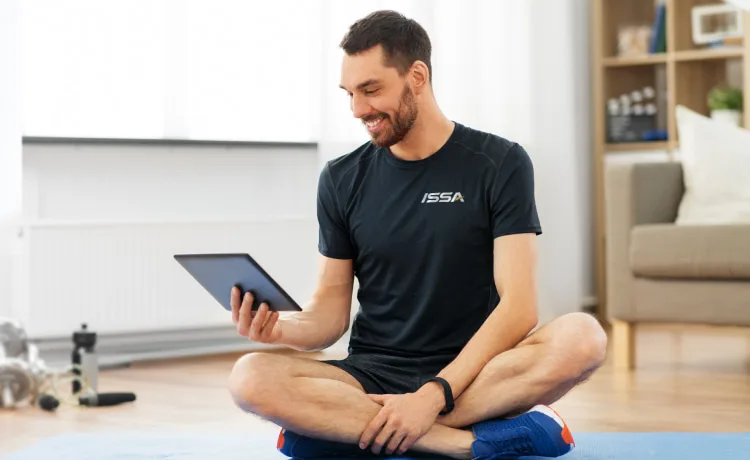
column 261, row 325
column 402, row 420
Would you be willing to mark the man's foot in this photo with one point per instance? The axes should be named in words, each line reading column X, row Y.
column 300, row 447
column 538, row 432
column 294, row 445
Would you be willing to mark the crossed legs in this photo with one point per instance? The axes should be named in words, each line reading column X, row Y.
column 321, row 401
column 541, row 369
column 318, row 400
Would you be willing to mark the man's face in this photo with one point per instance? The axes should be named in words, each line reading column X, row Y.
column 379, row 97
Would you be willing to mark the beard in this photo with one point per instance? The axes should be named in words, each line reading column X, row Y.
column 395, row 130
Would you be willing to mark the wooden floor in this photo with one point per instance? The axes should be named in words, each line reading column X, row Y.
column 685, row 381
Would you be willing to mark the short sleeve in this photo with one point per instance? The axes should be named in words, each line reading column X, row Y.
column 512, row 203
column 333, row 235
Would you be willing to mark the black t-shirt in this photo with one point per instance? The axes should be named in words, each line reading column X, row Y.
column 420, row 234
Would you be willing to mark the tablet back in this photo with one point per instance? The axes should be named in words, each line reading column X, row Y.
column 218, row 273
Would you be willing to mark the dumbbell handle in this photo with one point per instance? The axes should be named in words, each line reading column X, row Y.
column 106, row 399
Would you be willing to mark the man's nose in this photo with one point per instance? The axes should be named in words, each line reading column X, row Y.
column 359, row 106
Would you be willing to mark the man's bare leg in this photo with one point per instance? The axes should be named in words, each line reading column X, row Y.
column 540, row 370
column 321, row 401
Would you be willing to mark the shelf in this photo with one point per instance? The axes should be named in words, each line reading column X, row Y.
column 636, row 146
column 711, row 53
column 617, row 61
column 679, row 56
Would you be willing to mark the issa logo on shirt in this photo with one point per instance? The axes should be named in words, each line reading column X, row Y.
column 444, row 197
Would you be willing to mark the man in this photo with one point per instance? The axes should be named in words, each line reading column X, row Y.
column 438, row 222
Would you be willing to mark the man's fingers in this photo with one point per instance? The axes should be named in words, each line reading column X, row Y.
column 234, row 302
column 397, row 438
column 380, row 399
column 245, row 316
column 406, row 444
column 372, row 429
column 382, row 438
column 270, row 324
column 257, row 324
column 269, row 316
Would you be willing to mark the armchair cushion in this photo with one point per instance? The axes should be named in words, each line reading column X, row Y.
column 691, row 251
column 716, row 161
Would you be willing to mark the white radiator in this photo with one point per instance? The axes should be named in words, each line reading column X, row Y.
column 122, row 278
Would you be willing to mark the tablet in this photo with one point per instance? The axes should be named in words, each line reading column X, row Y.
column 218, row 273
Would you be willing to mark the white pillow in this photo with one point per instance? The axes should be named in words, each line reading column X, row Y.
column 715, row 160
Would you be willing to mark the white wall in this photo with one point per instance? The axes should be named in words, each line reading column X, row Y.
column 560, row 122
column 582, row 119
column 10, row 143
column 155, row 182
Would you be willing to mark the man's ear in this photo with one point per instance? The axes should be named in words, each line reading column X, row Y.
column 420, row 76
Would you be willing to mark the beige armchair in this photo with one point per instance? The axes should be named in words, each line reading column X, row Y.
column 658, row 271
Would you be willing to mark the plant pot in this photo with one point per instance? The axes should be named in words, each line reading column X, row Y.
column 733, row 117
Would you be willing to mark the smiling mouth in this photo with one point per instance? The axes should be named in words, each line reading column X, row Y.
column 374, row 124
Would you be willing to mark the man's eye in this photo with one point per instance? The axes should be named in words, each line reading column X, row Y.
column 370, row 92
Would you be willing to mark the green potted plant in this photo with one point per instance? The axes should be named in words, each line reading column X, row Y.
column 725, row 103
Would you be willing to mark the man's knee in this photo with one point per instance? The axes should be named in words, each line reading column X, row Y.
column 581, row 346
column 252, row 381
column 593, row 340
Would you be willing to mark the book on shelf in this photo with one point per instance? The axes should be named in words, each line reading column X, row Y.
column 659, row 30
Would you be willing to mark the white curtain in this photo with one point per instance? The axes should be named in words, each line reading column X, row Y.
column 482, row 50
column 10, row 115
column 10, row 146
column 252, row 70
column 187, row 69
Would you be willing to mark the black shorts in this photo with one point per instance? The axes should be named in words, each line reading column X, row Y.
column 386, row 374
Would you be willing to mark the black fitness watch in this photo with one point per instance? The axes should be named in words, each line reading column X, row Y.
column 449, row 403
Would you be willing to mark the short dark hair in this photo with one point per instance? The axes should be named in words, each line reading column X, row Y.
column 403, row 40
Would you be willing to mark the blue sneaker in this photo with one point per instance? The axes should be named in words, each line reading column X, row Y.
column 539, row 432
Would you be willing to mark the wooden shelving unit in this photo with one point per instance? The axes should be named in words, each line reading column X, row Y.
column 682, row 75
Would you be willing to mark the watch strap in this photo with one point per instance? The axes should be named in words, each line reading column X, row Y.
column 449, row 403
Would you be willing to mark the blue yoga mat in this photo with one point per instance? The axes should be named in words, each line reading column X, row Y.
column 261, row 446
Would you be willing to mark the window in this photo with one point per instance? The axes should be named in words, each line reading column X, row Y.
column 193, row 69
